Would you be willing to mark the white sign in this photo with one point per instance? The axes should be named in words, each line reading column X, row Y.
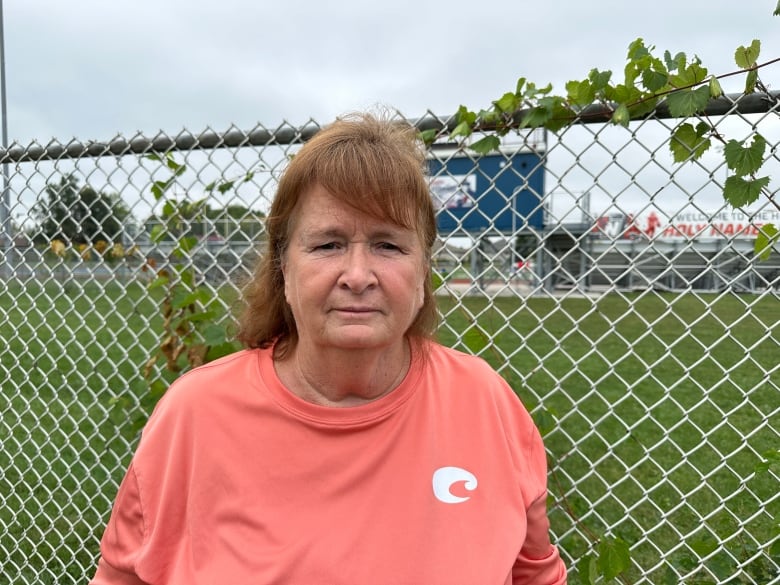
column 687, row 225
column 454, row 191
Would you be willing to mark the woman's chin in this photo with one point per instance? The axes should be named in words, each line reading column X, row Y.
column 358, row 337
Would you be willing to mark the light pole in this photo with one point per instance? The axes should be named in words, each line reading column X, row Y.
column 5, row 205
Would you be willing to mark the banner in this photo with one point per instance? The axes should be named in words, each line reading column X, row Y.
column 686, row 225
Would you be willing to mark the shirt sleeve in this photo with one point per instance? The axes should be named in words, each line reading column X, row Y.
column 539, row 561
column 123, row 538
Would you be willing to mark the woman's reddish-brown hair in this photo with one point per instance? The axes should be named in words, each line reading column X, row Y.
column 372, row 163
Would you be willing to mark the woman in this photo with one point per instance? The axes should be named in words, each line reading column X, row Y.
column 343, row 446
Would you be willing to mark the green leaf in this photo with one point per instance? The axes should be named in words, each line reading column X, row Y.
column 507, row 103
column 201, row 295
column 637, row 50
column 587, row 570
column 560, row 117
column 462, row 129
column 466, row 115
column 675, row 63
column 614, row 557
column 745, row 57
column 157, row 389
column 745, row 160
column 157, row 190
column 488, row 117
column 531, row 91
column 580, row 93
column 158, row 282
column 535, row 117
column 552, row 112
column 188, row 244
column 519, row 86
column 177, row 168
column 169, row 209
column 203, row 316
column 160, row 187
column 225, row 187
column 623, row 94
column 599, row 79
column 428, row 136
column 486, row 145
column 220, row 350
column 687, row 102
column 768, row 236
column 158, row 234
column 692, row 75
column 621, row 116
column 751, row 79
column 740, row 192
column 644, row 107
column 215, row 335
column 777, row 13
column 654, row 80
column 186, row 275
column 688, row 142
column 715, row 89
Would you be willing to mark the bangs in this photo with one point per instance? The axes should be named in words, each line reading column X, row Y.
column 375, row 182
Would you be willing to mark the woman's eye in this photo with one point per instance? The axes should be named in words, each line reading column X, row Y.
column 326, row 246
column 388, row 246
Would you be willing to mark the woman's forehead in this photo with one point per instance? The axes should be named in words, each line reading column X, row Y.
column 319, row 209
column 334, row 218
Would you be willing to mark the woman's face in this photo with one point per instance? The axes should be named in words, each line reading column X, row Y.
column 352, row 282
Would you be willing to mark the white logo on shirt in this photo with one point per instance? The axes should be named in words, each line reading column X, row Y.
column 445, row 477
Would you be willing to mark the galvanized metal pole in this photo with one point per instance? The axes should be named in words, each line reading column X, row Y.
column 6, row 231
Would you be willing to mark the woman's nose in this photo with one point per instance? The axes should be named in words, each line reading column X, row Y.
column 358, row 272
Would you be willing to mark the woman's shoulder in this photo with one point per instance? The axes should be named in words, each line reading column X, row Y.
column 445, row 359
column 230, row 365
column 221, row 381
column 471, row 387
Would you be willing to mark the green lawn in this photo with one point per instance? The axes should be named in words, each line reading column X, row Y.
column 653, row 446
column 660, row 446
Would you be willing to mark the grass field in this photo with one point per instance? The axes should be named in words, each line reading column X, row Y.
column 656, row 411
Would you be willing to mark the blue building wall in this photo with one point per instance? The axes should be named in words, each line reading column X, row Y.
column 498, row 192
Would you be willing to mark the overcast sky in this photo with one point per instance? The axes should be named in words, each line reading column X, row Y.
column 91, row 69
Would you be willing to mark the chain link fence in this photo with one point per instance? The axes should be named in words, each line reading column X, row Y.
column 609, row 285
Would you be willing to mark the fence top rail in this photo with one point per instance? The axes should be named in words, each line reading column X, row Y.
column 287, row 134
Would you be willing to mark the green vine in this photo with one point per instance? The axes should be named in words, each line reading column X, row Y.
column 681, row 84
column 193, row 330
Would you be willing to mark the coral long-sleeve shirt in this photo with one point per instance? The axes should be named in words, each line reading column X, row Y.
column 238, row 481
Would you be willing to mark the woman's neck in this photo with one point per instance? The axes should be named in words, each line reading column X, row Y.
column 343, row 378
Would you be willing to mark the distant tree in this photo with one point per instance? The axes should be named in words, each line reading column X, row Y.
column 79, row 215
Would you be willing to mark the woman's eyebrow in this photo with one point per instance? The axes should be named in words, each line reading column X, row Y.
column 338, row 232
column 388, row 233
column 322, row 232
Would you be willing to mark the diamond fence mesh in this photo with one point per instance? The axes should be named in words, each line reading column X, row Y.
column 610, row 286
